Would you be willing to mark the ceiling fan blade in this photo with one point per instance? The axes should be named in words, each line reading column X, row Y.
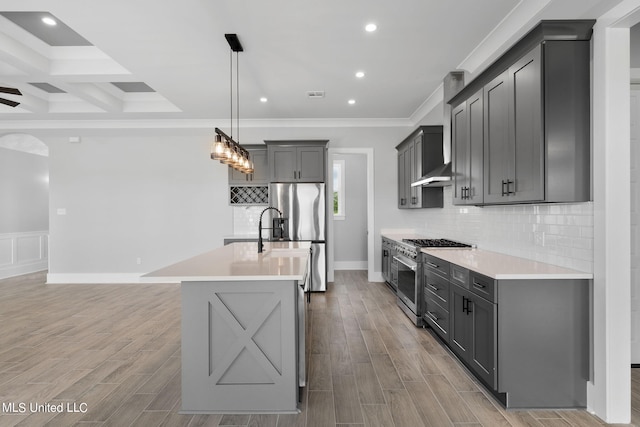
column 10, row 90
column 9, row 102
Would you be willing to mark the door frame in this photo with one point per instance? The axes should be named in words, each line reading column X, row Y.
column 368, row 152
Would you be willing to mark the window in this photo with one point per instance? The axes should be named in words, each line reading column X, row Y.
column 338, row 190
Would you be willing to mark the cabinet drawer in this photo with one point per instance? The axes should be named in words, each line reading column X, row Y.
column 437, row 317
column 482, row 285
column 436, row 265
column 436, row 287
column 459, row 275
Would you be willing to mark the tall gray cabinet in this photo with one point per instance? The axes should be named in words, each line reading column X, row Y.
column 535, row 131
column 418, row 154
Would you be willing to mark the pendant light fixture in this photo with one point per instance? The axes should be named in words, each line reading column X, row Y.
column 224, row 148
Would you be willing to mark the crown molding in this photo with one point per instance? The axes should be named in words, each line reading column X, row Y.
column 26, row 125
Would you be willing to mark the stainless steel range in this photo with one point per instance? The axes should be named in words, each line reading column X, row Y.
column 410, row 273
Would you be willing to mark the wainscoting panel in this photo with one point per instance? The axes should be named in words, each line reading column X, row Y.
column 6, row 252
column 22, row 253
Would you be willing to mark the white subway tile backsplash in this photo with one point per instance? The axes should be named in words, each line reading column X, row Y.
column 560, row 234
column 245, row 220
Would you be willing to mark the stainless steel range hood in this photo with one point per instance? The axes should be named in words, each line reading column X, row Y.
column 439, row 177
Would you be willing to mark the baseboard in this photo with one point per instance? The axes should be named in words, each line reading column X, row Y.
column 19, row 270
column 350, row 265
column 93, row 278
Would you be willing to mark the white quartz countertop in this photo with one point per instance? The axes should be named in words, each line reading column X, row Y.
column 504, row 267
column 397, row 237
column 240, row 261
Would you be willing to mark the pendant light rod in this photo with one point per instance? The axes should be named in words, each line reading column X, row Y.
column 237, row 98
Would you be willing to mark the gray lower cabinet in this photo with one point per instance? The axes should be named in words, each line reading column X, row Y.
column 436, row 303
column 436, row 298
column 386, row 260
column 303, row 161
column 473, row 332
column 526, row 340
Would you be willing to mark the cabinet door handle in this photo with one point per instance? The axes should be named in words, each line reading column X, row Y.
column 413, row 200
column 430, row 264
column 385, row 253
column 434, row 287
column 504, row 193
column 509, row 182
column 466, row 305
column 403, row 201
column 478, row 285
column 432, row 316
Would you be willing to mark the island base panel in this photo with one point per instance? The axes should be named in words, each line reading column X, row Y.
column 239, row 347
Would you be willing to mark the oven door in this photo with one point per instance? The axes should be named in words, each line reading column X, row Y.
column 408, row 282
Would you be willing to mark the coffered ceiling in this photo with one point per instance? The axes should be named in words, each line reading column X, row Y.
column 169, row 60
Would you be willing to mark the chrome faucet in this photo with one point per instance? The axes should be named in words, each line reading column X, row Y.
column 260, row 245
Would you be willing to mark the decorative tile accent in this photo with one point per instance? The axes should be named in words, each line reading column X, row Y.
column 249, row 195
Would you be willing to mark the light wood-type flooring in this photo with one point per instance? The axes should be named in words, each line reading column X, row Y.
column 116, row 349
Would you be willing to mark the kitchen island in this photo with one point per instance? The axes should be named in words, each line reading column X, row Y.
column 243, row 327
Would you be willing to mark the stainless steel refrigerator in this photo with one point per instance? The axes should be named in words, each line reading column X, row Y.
column 304, row 207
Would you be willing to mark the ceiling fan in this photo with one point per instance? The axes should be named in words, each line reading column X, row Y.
column 12, row 91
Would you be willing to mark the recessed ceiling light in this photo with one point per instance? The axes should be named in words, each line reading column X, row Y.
column 371, row 27
column 351, row 101
column 49, row 20
column 360, row 74
column 263, row 99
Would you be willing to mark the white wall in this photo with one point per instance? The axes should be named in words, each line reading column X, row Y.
column 24, row 213
column 117, row 201
column 157, row 196
column 24, row 192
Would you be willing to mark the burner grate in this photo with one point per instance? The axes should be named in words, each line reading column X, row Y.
column 436, row 243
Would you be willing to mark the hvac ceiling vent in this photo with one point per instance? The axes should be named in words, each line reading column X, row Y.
column 315, row 94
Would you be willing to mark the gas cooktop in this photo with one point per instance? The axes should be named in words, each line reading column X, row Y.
column 435, row 243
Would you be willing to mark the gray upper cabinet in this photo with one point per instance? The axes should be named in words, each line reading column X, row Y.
column 260, row 175
column 302, row 161
column 404, row 169
column 418, row 154
column 535, row 130
column 513, row 144
column 467, row 136
column 496, row 139
column 526, row 164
